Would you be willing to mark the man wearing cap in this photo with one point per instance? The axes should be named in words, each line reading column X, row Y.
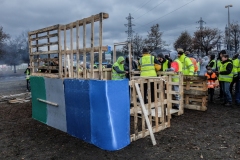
column 187, row 65
column 148, row 66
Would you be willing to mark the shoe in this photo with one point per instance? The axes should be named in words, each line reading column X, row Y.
column 228, row 104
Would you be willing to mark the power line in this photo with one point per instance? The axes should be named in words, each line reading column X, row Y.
column 141, row 6
column 166, row 14
column 129, row 25
column 150, row 9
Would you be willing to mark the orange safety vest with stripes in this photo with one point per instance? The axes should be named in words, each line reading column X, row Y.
column 211, row 83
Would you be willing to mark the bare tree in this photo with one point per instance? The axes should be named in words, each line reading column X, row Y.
column 154, row 38
column 3, row 38
column 137, row 44
column 184, row 41
column 206, row 39
column 234, row 35
column 16, row 50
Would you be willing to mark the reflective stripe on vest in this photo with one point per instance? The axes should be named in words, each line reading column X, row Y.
column 147, row 66
column 175, row 78
column 225, row 78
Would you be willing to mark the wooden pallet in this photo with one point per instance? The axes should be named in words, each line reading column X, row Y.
column 195, row 92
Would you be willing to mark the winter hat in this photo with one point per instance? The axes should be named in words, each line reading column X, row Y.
column 180, row 51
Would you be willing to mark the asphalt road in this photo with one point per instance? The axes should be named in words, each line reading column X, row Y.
column 12, row 84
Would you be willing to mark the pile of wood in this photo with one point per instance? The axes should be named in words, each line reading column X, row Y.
column 16, row 98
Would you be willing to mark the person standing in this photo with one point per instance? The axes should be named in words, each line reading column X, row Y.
column 225, row 78
column 235, row 62
column 126, row 66
column 212, row 63
column 27, row 72
column 165, row 64
column 176, row 66
column 203, row 64
column 211, row 77
column 118, row 72
column 187, row 65
column 219, row 63
column 148, row 66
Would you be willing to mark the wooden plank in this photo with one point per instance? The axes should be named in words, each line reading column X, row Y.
column 48, row 40
column 114, row 54
column 44, row 44
column 45, row 52
column 60, row 73
column 48, row 67
column 51, row 28
column 71, row 48
column 45, row 37
column 146, row 133
column 195, row 92
column 84, row 49
column 77, row 44
column 50, row 75
column 161, row 96
column 65, row 55
column 195, row 107
column 145, row 115
column 135, row 110
column 155, row 105
column 100, row 45
column 149, row 101
column 143, row 118
column 96, row 49
column 88, row 20
column 92, row 47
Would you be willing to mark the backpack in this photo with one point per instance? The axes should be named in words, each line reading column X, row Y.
column 194, row 64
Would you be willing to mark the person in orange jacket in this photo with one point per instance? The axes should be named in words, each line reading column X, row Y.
column 212, row 77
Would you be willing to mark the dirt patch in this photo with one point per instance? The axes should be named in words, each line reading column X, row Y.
column 214, row 134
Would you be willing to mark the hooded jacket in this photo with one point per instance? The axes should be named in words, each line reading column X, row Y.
column 118, row 69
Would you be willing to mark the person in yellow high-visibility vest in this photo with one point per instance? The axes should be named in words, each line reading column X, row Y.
column 176, row 66
column 148, row 66
column 118, row 72
column 225, row 78
column 187, row 65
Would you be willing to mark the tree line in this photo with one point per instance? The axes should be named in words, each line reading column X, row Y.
column 203, row 40
column 13, row 50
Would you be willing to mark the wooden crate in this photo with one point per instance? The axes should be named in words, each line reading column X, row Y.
column 159, row 112
column 195, row 92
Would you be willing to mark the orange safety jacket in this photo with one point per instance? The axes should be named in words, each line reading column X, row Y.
column 211, row 79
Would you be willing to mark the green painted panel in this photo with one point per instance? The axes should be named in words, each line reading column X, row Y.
column 39, row 109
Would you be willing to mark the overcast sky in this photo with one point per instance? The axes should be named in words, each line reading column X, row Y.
column 173, row 16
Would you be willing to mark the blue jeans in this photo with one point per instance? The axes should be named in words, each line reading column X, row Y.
column 226, row 92
column 237, row 91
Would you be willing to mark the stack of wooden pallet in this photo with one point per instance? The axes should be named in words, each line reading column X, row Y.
column 195, row 92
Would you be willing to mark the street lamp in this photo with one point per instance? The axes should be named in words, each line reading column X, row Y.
column 228, row 45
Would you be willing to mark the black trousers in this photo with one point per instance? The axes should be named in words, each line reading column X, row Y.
column 211, row 93
column 28, row 85
column 235, row 79
column 221, row 92
column 145, row 88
